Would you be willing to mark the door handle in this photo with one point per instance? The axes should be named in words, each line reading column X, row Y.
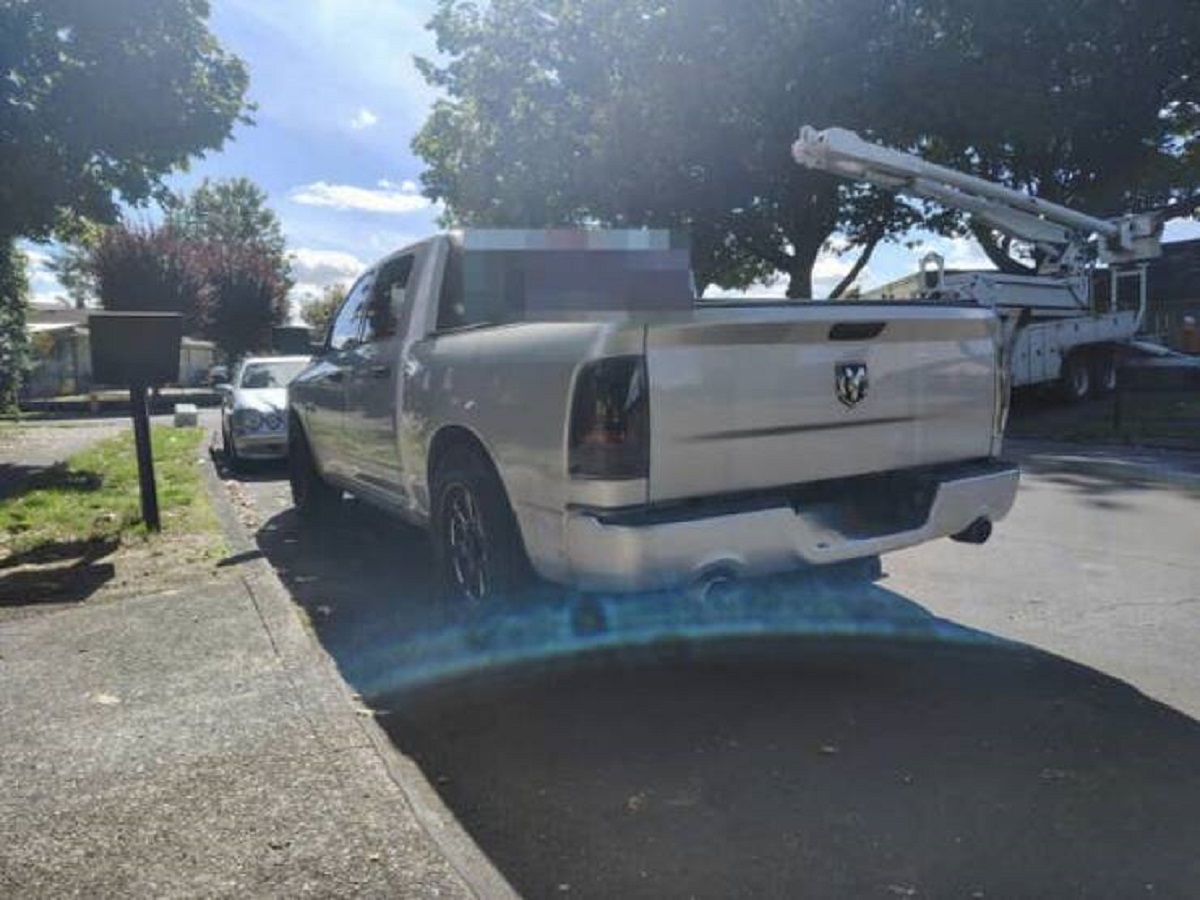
column 380, row 371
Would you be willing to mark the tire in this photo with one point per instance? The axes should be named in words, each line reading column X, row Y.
column 1075, row 384
column 232, row 459
column 476, row 539
column 1104, row 372
column 313, row 496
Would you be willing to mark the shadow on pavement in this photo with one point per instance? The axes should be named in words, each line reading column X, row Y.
column 802, row 736
column 17, row 480
column 815, row 768
column 71, row 583
column 52, row 571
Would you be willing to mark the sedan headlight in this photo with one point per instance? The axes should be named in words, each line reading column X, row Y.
column 248, row 419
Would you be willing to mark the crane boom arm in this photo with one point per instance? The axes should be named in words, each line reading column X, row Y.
column 1059, row 230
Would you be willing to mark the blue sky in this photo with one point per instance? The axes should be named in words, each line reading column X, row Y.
column 339, row 101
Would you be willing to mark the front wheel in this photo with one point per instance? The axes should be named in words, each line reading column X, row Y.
column 232, row 459
column 1104, row 372
column 312, row 495
column 1076, row 383
column 475, row 534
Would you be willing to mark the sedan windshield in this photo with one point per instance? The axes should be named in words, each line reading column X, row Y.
column 271, row 374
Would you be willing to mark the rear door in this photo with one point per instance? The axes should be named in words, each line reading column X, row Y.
column 375, row 378
column 744, row 399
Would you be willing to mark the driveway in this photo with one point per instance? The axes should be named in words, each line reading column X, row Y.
column 1009, row 720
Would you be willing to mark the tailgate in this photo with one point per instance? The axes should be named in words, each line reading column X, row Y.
column 742, row 399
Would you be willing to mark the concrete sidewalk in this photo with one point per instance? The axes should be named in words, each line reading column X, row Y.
column 198, row 743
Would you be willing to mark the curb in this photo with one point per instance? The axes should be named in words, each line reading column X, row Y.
column 277, row 610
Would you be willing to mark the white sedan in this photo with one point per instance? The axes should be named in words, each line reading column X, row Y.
column 254, row 409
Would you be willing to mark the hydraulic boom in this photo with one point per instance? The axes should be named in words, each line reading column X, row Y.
column 1067, row 239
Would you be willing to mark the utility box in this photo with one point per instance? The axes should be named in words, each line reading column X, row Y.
column 135, row 348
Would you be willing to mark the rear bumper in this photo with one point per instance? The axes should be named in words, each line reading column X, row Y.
column 664, row 547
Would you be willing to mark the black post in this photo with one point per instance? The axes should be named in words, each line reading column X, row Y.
column 145, row 458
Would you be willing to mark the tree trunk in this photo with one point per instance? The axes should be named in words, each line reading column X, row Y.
column 856, row 269
column 997, row 253
column 800, row 270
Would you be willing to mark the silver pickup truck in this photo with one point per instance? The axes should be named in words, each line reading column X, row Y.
column 562, row 402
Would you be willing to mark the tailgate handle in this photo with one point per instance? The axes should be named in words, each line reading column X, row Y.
column 856, row 331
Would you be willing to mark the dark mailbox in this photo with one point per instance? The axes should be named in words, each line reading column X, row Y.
column 132, row 348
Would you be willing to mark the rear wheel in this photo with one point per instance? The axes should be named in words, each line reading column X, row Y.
column 1076, row 382
column 475, row 534
column 1104, row 372
column 312, row 495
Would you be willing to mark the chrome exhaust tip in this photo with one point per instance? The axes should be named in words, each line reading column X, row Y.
column 977, row 532
column 715, row 584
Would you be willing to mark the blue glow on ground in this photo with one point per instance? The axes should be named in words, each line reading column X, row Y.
column 552, row 624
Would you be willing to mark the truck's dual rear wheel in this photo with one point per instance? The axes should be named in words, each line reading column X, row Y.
column 475, row 534
column 1088, row 372
column 1076, row 382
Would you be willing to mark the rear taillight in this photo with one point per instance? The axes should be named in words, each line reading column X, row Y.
column 610, row 420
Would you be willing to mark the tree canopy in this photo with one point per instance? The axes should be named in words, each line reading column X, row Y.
column 318, row 312
column 14, row 339
column 231, row 213
column 101, row 100
column 680, row 113
column 219, row 258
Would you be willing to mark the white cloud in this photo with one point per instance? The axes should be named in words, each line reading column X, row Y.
column 829, row 266
column 828, row 270
column 38, row 258
column 44, row 286
column 961, row 253
column 386, row 198
column 315, row 269
column 364, row 118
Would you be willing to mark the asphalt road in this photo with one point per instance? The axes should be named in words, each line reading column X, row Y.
column 1011, row 720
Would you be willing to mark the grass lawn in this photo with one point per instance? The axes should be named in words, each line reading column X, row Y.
column 66, row 518
column 95, row 495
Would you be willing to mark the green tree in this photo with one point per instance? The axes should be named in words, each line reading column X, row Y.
column 98, row 103
column 680, row 113
column 14, row 338
column 318, row 312
column 232, row 223
column 230, row 212
column 71, row 261
column 229, row 293
column 101, row 100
